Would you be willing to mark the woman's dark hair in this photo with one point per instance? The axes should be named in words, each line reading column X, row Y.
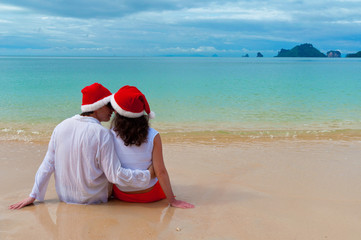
column 133, row 131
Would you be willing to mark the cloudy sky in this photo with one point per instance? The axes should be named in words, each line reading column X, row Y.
column 176, row 27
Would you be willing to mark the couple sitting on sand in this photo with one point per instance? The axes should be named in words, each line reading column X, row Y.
column 84, row 156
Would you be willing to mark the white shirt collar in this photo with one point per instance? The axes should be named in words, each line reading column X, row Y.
column 86, row 118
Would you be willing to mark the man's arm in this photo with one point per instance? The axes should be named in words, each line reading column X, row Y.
column 42, row 178
column 151, row 171
column 113, row 170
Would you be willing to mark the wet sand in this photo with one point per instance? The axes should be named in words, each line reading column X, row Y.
column 247, row 190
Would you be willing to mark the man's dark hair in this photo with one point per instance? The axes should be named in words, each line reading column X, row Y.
column 109, row 105
column 86, row 114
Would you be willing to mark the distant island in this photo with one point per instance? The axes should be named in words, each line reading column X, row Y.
column 303, row 50
column 333, row 54
column 354, row 55
column 307, row 50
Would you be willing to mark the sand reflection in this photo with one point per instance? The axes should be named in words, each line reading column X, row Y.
column 114, row 220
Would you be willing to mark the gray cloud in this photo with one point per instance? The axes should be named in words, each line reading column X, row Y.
column 131, row 27
column 101, row 9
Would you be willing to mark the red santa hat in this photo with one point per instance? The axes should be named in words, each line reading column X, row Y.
column 130, row 102
column 95, row 96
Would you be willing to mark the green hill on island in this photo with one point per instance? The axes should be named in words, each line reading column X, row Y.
column 354, row 55
column 303, row 50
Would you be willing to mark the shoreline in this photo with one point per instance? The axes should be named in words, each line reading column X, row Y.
column 40, row 134
column 215, row 139
column 256, row 190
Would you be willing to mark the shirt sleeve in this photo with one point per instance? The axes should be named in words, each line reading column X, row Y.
column 113, row 170
column 44, row 172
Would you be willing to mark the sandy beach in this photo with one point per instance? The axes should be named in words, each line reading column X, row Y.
column 279, row 189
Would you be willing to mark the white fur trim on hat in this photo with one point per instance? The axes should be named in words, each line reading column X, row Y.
column 128, row 114
column 96, row 105
column 151, row 115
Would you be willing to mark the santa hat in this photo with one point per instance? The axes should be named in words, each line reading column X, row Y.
column 130, row 102
column 95, row 96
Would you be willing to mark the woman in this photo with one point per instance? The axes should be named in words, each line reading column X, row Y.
column 138, row 146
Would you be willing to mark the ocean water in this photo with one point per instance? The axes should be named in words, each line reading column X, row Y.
column 242, row 97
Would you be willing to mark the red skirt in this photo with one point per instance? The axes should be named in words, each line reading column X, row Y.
column 153, row 195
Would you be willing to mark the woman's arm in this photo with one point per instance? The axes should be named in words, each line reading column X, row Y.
column 162, row 174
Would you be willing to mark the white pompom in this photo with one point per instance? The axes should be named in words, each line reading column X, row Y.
column 151, row 115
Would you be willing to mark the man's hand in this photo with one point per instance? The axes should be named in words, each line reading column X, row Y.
column 23, row 203
column 151, row 170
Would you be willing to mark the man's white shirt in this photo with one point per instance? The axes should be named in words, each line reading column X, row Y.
column 82, row 157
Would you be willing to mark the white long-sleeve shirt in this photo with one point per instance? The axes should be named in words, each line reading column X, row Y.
column 82, row 157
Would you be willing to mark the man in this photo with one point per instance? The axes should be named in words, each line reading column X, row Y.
column 82, row 157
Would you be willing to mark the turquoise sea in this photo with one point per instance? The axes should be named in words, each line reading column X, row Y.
column 242, row 97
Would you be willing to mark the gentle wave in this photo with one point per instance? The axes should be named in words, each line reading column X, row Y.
column 177, row 134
